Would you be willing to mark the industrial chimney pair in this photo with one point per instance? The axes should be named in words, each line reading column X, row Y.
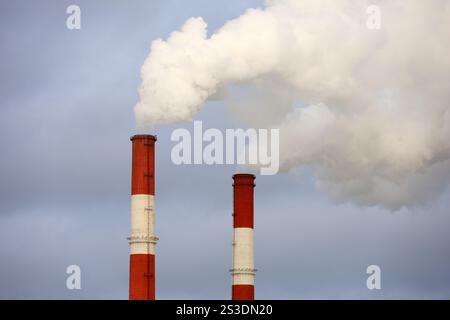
column 143, row 241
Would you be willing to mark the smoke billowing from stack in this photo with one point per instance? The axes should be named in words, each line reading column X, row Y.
column 367, row 110
column 243, row 269
column 142, row 240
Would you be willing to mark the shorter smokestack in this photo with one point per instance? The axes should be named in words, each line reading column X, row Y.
column 243, row 271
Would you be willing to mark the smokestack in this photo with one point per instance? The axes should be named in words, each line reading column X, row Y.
column 243, row 272
column 142, row 240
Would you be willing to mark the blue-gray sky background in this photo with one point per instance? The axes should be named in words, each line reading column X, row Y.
column 66, row 115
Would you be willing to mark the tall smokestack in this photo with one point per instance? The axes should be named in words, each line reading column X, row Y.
column 243, row 271
column 142, row 240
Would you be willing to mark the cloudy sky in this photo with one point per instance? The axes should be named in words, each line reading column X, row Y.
column 66, row 115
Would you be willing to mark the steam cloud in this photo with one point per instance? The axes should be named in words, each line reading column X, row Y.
column 369, row 110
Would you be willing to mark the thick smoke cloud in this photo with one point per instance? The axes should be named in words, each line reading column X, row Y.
column 369, row 110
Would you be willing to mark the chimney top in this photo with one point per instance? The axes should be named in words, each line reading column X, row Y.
column 244, row 175
column 143, row 136
column 244, row 179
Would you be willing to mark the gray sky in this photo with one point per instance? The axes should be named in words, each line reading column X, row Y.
column 66, row 115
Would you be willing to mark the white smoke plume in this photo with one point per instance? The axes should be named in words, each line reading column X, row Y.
column 369, row 110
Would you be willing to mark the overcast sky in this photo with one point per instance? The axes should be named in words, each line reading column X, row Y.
column 66, row 115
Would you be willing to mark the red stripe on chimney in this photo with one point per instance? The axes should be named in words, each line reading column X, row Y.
column 143, row 164
column 243, row 292
column 142, row 277
column 243, row 200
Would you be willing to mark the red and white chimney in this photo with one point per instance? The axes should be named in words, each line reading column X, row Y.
column 243, row 270
column 142, row 240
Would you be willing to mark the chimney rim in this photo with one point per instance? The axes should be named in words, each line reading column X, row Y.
column 244, row 175
column 143, row 136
